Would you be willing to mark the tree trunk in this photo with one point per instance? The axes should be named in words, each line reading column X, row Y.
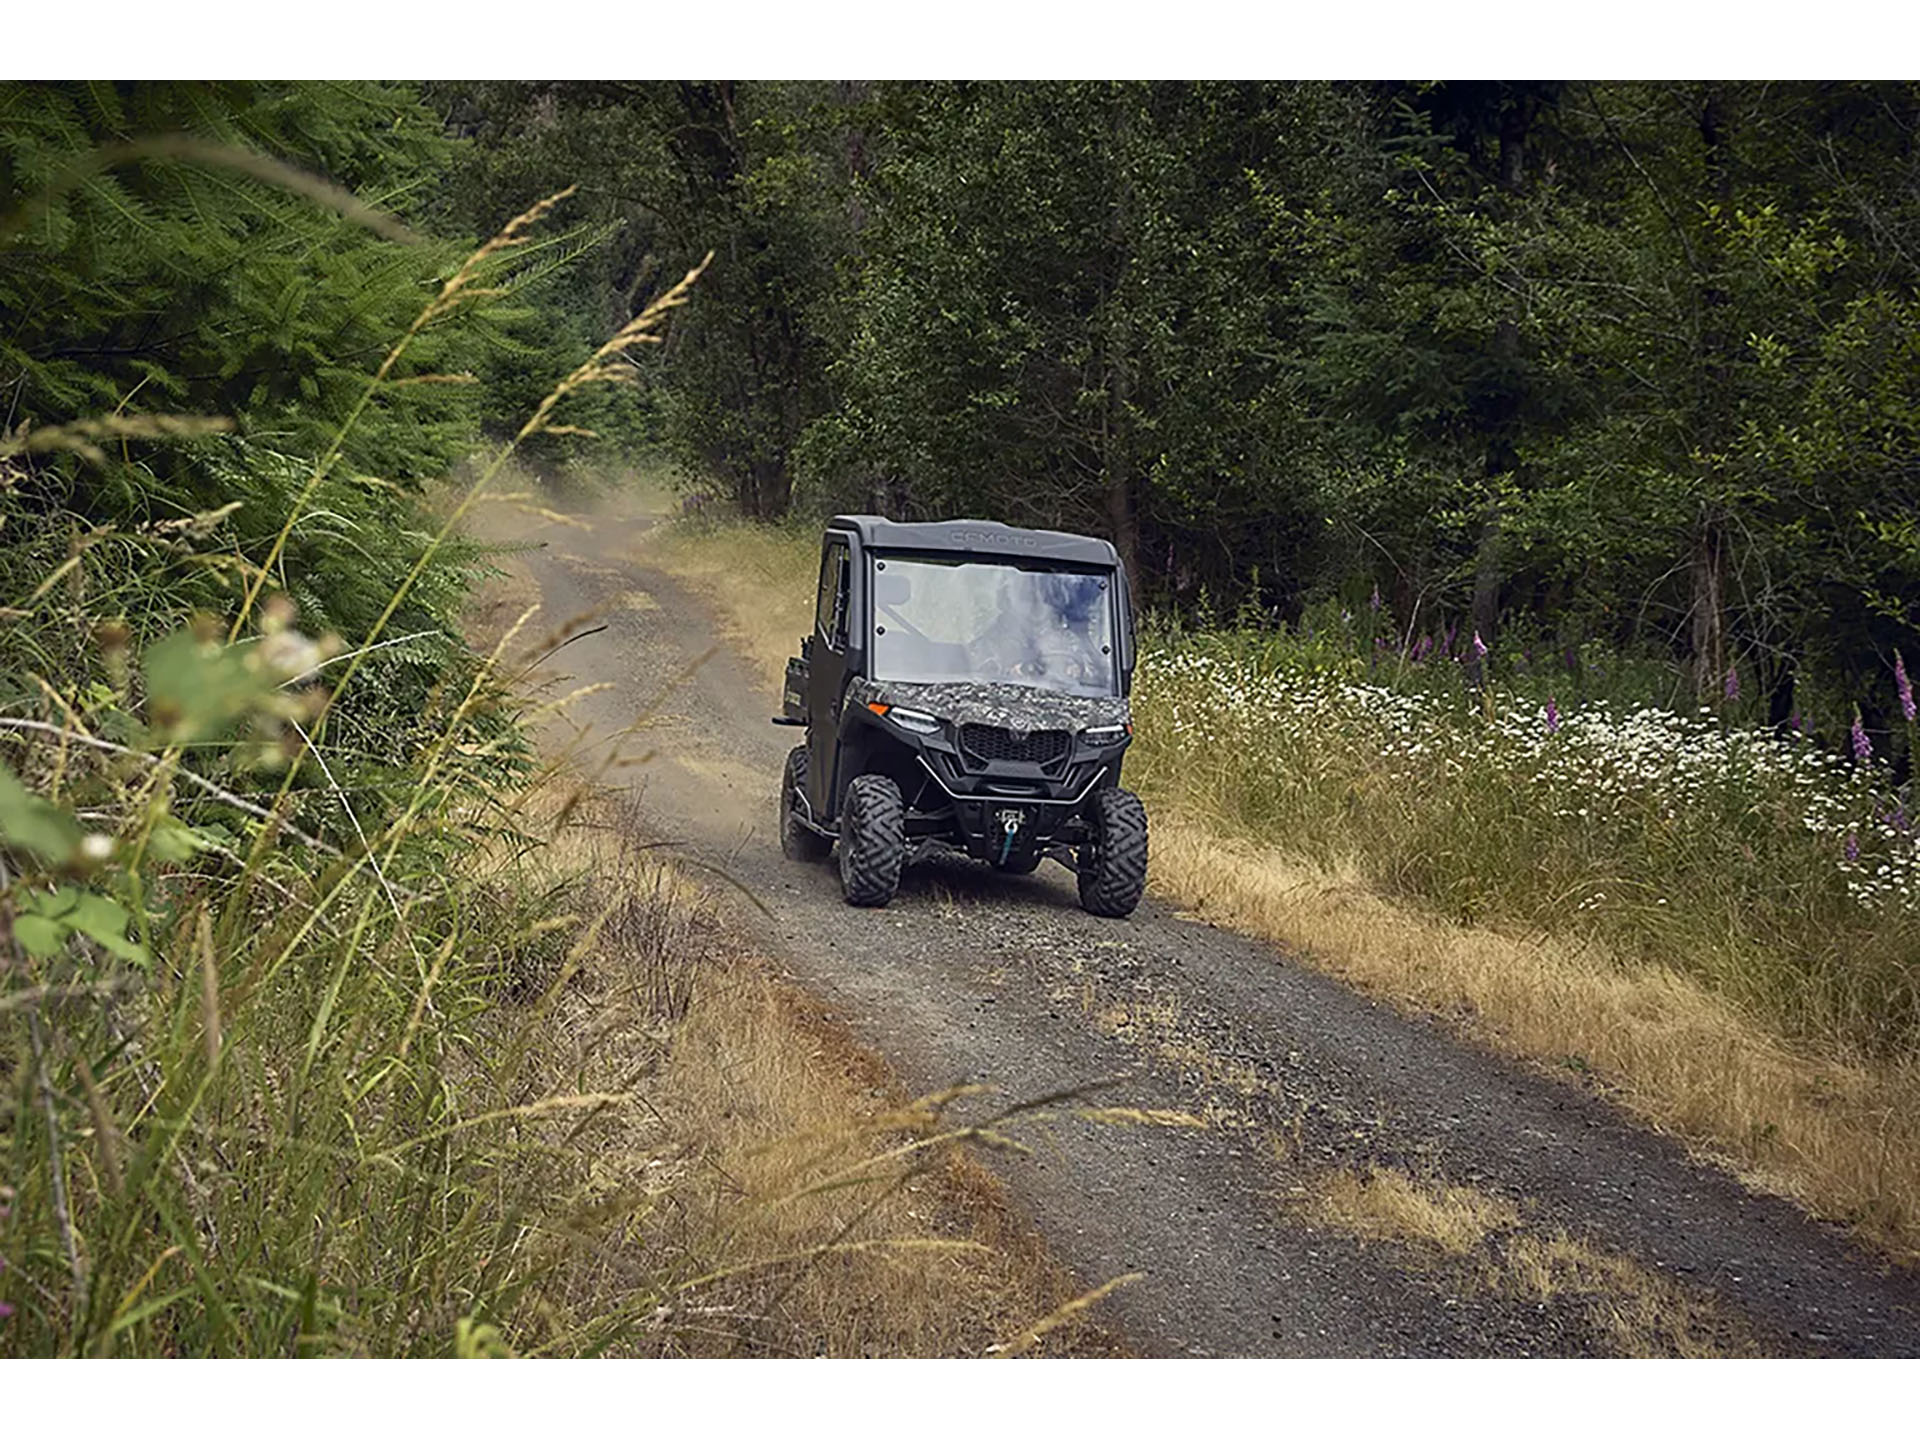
column 855, row 154
column 1502, row 458
column 1708, row 570
column 1122, row 518
column 1709, row 561
column 1780, row 697
column 1486, row 591
column 885, row 490
column 771, row 487
column 1122, row 522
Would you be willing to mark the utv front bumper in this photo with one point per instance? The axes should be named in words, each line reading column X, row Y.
column 1001, row 794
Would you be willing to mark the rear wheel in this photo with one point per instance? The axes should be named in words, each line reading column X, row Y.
column 797, row 842
column 1113, row 865
column 873, row 840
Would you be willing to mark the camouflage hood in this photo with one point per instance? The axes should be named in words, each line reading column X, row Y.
column 1016, row 707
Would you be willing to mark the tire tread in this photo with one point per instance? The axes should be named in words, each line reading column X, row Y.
column 1113, row 870
column 873, row 844
column 797, row 842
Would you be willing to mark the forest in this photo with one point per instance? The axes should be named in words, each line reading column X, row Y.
column 1556, row 364
column 1559, row 364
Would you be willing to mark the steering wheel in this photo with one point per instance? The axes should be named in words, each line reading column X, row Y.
column 1067, row 665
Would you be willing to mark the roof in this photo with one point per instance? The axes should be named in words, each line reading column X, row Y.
column 977, row 537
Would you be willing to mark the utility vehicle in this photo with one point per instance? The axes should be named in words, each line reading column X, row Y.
column 965, row 689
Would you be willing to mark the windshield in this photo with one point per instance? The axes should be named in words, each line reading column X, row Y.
column 936, row 620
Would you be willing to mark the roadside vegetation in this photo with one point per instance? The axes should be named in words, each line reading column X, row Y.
column 1777, row 872
column 334, row 1018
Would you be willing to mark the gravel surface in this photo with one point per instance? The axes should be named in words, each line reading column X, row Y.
column 972, row 976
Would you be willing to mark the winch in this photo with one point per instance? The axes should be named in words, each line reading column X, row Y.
column 1010, row 823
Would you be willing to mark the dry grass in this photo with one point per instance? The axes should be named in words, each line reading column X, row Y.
column 1388, row 1205
column 1639, row 1312
column 800, row 1201
column 775, row 1144
column 784, row 1101
column 1841, row 1139
column 1643, row 1314
column 759, row 577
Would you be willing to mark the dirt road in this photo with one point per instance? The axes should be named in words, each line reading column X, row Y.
column 1551, row 1224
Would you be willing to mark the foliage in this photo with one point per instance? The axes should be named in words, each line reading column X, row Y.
column 1625, row 363
column 1059, row 320
column 666, row 172
column 260, row 1096
column 178, row 282
column 214, row 1042
column 1783, row 876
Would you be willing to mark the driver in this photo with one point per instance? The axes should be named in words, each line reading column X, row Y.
column 1074, row 604
column 1006, row 646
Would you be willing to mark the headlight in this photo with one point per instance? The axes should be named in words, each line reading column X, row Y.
column 1106, row 734
column 918, row 721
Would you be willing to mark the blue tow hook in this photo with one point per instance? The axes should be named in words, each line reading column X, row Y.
column 1010, row 826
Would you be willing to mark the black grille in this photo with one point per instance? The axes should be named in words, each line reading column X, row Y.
column 1037, row 747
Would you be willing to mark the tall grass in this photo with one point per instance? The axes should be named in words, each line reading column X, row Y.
column 270, row 1091
column 273, row 1045
column 320, row 1032
column 1777, row 873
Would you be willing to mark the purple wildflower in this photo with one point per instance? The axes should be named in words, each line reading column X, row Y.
column 1862, row 747
column 1853, row 846
column 1374, row 603
column 1553, row 716
column 1899, row 819
column 1421, row 648
column 1733, row 682
column 1798, row 725
column 1903, row 685
column 6, row 1311
column 1479, row 647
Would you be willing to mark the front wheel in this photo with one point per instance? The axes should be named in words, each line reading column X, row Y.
column 873, row 840
column 797, row 842
column 1113, row 865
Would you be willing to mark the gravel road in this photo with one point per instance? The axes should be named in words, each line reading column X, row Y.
column 971, row 976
